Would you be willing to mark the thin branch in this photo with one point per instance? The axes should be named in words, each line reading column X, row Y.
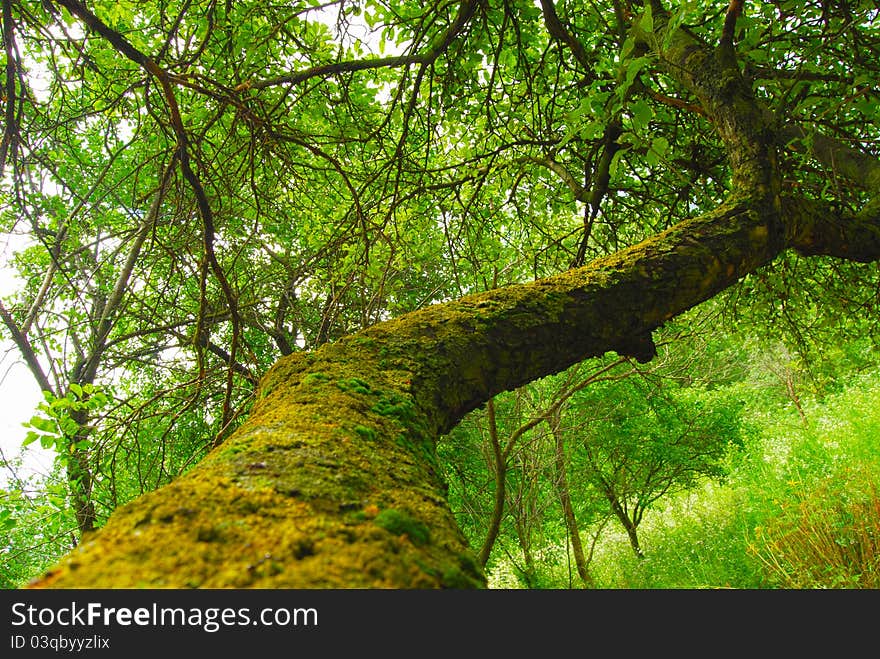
column 112, row 304
column 9, row 144
column 861, row 168
column 26, row 349
column 734, row 11
column 580, row 193
column 558, row 31
column 337, row 67
column 465, row 13
column 183, row 155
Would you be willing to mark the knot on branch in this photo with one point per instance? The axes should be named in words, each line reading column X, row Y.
column 640, row 347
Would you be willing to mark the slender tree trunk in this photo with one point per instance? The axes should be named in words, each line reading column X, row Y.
column 628, row 524
column 500, row 463
column 528, row 575
column 79, row 477
column 632, row 534
column 571, row 524
column 633, row 538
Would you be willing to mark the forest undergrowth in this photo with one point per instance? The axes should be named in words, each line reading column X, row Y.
column 800, row 509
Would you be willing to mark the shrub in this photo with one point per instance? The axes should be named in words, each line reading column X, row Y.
column 827, row 537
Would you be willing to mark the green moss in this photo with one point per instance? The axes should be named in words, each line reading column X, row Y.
column 394, row 405
column 457, row 578
column 470, row 567
column 424, row 450
column 366, row 433
column 229, row 451
column 209, row 534
column 355, row 385
column 466, row 574
column 399, row 522
column 315, row 378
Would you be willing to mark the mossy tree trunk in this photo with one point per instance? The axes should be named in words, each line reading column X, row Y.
column 333, row 480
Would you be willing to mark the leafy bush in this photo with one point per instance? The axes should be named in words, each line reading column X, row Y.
column 823, row 530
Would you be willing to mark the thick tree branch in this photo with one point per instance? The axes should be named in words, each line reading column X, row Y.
column 713, row 76
column 333, row 480
column 820, row 228
column 846, row 161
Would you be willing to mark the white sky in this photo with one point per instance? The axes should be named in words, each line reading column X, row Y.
column 19, row 393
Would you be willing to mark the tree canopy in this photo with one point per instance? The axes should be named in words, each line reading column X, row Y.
column 292, row 244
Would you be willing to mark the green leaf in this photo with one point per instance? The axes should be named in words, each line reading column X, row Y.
column 7, row 521
column 647, row 20
column 46, row 425
column 59, row 404
column 628, row 44
column 592, row 130
column 632, row 70
column 642, row 113
column 68, row 426
column 660, row 145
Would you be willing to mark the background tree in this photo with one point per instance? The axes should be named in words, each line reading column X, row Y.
column 210, row 187
column 639, row 443
column 582, row 449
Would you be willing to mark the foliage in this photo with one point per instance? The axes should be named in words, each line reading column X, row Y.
column 639, row 443
column 55, row 428
column 799, row 513
column 696, row 540
column 828, row 537
column 36, row 526
column 634, row 438
column 822, row 527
